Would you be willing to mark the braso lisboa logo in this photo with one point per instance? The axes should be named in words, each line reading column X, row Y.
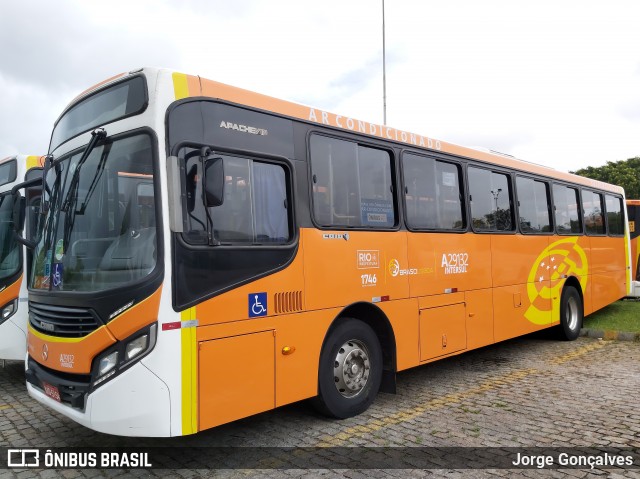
column 394, row 269
column 559, row 260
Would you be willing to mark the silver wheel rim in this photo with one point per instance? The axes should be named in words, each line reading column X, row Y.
column 571, row 313
column 351, row 368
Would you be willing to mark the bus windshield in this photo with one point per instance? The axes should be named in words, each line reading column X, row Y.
column 10, row 248
column 99, row 231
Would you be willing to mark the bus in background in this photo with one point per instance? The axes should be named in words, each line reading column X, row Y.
column 13, row 262
column 633, row 214
column 209, row 253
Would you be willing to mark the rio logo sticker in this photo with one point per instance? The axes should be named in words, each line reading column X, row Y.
column 257, row 305
column 368, row 259
column 559, row 260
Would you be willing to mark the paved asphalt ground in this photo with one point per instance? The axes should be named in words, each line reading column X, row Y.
column 527, row 392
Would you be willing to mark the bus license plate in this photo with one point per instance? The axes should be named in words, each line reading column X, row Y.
column 51, row 391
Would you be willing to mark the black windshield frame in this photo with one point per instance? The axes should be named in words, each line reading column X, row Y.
column 139, row 82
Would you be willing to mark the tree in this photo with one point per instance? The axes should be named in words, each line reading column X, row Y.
column 625, row 173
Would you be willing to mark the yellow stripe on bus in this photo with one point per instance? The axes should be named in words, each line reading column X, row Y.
column 57, row 339
column 180, row 85
column 189, row 375
column 627, row 257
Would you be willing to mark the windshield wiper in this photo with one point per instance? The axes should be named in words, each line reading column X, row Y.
column 71, row 200
column 96, row 177
column 96, row 135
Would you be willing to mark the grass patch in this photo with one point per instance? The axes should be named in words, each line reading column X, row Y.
column 619, row 316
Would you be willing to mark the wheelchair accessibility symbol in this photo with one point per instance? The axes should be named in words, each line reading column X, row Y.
column 56, row 277
column 257, row 305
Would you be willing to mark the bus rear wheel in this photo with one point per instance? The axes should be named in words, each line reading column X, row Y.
column 350, row 370
column 571, row 314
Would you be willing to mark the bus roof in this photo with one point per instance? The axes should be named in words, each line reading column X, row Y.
column 194, row 86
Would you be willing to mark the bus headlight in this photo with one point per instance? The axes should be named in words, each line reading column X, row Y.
column 107, row 363
column 136, row 346
column 8, row 310
column 124, row 354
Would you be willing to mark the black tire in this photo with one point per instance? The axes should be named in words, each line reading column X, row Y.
column 350, row 370
column 571, row 314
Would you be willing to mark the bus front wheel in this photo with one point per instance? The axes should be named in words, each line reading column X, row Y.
column 350, row 370
column 571, row 314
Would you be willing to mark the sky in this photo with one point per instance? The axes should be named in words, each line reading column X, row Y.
column 551, row 82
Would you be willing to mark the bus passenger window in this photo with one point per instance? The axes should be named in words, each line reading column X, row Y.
column 565, row 200
column 593, row 213
column 615, row 218
column 490, row 196
column 533, row 205
column 432, row 193
column 352, row 184
column 255, row 206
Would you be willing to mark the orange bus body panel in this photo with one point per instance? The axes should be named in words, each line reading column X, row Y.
column 68, row 356
column 136, row 317
column 480, row 322
column 339, row 272
column 434, row 257
column 442, row 330
column 236, row 378
column 442, row 293
column 76, row 355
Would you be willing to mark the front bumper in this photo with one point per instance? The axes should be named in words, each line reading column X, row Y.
column 136, row 403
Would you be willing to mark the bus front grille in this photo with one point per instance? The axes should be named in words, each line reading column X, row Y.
column 64, row 322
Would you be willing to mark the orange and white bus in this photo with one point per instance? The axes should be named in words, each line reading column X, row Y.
column 210, row 253
column 13, row 262
column 633, row 214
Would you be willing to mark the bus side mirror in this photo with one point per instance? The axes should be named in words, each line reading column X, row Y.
column 18, row 214
column 213, row 182
column 18, row 217
column 44, row 204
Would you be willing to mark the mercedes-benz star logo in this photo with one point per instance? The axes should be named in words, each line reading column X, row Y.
column 45, row 352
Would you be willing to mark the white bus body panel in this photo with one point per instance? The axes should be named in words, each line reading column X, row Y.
column 13, row 337
column 13, row 345
column 136, row 403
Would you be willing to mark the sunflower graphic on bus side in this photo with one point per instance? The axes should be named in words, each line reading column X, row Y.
column 560, row 260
